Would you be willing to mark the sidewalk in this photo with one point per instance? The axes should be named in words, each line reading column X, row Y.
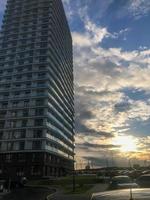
column 3, row 194
column 97, row 188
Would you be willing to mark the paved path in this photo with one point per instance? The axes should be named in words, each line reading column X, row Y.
column 86, row 196
column 27, row 194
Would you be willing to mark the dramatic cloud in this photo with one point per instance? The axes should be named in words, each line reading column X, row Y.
column 103, row 110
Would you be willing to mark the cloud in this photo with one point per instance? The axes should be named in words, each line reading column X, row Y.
column 122, row 106
column 139, row 8
column 82, row 116
column 81, row 40
column 66, row 1
column 93, row 35
column 96, row 147
column 101, row 75
column 2, row 5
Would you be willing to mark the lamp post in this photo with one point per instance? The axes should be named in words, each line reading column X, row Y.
column 73, row 180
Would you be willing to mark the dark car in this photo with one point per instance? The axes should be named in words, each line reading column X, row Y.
column 144, row 180
column 126, row 194
column 122, row 182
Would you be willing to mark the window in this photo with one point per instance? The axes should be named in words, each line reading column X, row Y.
column 43, row 45
column 21, row 55
column 42, row 59
column 21, row 157
column 4, row 104
column 29, row 76
column 39, row 111
column 25, row 113
column 9, row 146
column 29, row 68
column 18, row 77
column 20, row 172
column 8, row 78
column 38, row 122
column 30, row 60
column 23, row 133
column 43, row 51
column 21, row 145
column 41, row 75
column 20, row 62
column 1, row 134
column 39, row 102
column 18, row 85
column 26, row 103
column 2, row 114
column 37, row 133
column 19, row 69
column 41, row 84
column 24, row 123
column 7, row 86
column 36, row 145
column 2, row 124
column 35, row 171
column 8, row 157
column 28, row 92
column 42, row 67
column 16, row 135
column 40, row 92
column 12, row 124
column 15, row 103
column 17, row 93
column 14, row 113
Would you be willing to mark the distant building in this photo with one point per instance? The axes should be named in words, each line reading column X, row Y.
column 36, row 90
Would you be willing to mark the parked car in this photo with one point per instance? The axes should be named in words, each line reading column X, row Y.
column 144, row 180
column 122, row 182
column 146, row 172
column 126, row 194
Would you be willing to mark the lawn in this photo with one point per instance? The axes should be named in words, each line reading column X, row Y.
column 83, row 183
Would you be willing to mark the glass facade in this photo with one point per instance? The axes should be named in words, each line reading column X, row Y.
column 36, row 89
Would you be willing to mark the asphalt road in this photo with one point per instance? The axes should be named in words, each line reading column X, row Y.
column 27, row 194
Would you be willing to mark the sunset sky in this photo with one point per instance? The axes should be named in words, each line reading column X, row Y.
column 111, row 40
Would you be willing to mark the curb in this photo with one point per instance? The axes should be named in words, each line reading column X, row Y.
column 4, row 193
column 51, row 195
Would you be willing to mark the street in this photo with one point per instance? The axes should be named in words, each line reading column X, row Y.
column 27, row 194
column 42, row 193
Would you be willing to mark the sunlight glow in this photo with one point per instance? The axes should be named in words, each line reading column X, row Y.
column 126, row 143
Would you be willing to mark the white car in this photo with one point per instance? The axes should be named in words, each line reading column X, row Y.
column 125, row 194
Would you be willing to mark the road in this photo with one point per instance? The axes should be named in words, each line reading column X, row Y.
column 27, row 194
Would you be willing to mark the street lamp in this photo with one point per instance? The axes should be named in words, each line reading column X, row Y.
column 74, row 182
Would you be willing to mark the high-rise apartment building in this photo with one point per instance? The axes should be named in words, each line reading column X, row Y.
column 36, row 90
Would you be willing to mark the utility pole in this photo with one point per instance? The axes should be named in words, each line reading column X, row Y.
column 74, row 181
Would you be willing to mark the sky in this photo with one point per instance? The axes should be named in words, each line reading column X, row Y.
column 112, row 80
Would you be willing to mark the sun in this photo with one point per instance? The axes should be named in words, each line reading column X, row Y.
column 126, row 143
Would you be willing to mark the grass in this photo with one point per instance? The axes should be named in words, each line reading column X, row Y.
column 78, row 189
column 83, row 183
column 66, row 181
